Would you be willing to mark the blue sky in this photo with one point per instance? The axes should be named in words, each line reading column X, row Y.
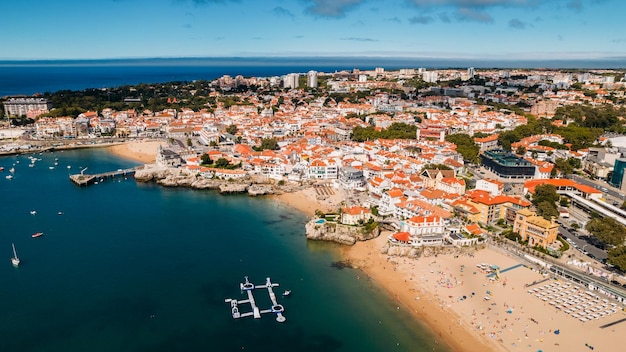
column 496, row 29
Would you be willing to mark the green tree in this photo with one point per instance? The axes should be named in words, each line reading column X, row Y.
column 545, row 199
column 205, row 159
column 617, row 256
column 267, row 144
column 547, row 210
column 222, row 163
column 607, row 230
column 564, row 166
column 232, row 129
column 465, row 146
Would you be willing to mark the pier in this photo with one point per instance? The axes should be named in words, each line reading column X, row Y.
column 248, row 287
column 83, row 179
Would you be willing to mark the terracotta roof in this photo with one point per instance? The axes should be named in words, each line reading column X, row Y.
column 402, row 236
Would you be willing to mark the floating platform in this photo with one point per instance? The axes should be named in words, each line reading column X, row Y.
column 249, row 287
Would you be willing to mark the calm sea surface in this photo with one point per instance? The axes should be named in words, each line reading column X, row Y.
column 138, row 267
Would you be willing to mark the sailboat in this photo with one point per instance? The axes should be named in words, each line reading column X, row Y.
column 15, row 260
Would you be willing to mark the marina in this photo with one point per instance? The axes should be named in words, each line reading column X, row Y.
column 248, row 287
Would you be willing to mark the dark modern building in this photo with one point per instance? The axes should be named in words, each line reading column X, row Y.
column 617, row 179
column 507, row 165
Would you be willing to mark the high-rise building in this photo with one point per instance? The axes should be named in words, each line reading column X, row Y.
column 471, row 72
column 430, row 76
column 21, row 106
column 311, row 79
column 291, row 81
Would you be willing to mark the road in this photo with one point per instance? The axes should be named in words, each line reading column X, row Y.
column 583, row 246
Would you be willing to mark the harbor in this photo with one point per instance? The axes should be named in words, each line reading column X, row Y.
column 249, row 287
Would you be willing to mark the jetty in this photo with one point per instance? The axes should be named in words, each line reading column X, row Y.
column 83, row 179
column 249, row 287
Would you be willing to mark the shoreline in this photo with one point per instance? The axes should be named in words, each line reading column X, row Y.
column 494, row 315
column 140, row 151
column 366, row 257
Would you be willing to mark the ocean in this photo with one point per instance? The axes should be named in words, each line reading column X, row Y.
column 126, row 266
column 30, row 77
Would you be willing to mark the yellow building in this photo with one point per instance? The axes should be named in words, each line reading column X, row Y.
column 537, row 230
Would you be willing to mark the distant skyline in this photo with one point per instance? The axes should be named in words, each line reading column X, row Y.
column 455, row 29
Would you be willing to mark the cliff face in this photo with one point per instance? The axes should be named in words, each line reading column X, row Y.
column 173, row 177
column 344, row 234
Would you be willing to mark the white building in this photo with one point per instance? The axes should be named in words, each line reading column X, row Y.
column 311, row 79
column 21, row 106
column 291, row 81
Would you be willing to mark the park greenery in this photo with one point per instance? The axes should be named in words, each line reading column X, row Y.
column 221, row 163
column 397, row 130
column 266, row 144
column 465, row 146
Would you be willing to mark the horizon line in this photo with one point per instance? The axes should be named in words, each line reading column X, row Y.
column 502, row 57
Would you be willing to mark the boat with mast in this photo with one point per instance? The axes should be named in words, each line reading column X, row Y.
column 15, row 260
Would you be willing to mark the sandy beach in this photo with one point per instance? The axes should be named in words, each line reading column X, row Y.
column 141, row 151
column 473, row 312
column 308, row 200
column 470, row 311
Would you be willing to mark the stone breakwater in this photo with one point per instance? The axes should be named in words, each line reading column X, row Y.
column 175, row 177
column 334, row 232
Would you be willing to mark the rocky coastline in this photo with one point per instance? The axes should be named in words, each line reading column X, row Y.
column 176, row 177
column 338, row 233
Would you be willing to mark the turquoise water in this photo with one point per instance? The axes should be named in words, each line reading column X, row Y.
column 138, row 267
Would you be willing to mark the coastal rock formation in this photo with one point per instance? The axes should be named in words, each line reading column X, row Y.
column 396, row 250
column 260, row 190
column 175, row 177
column 229, row 187
column 334, row 232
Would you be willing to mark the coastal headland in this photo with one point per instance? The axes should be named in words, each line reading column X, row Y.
column 466, row 308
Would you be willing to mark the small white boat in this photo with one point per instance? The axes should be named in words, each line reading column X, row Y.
column 15, row 260
column 33, row 212
column 31, row 165
column 286, row 293
column 51, row 167
column 8, row 177
column 69, row 166
column 12, row 169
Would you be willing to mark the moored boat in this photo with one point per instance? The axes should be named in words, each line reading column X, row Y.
column 286, row 293
column 37, row 234
column 15, row 260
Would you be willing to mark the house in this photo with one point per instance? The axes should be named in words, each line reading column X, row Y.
column 355, row 215
column 351, row 178
column 535, row 229
column 168, row 158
